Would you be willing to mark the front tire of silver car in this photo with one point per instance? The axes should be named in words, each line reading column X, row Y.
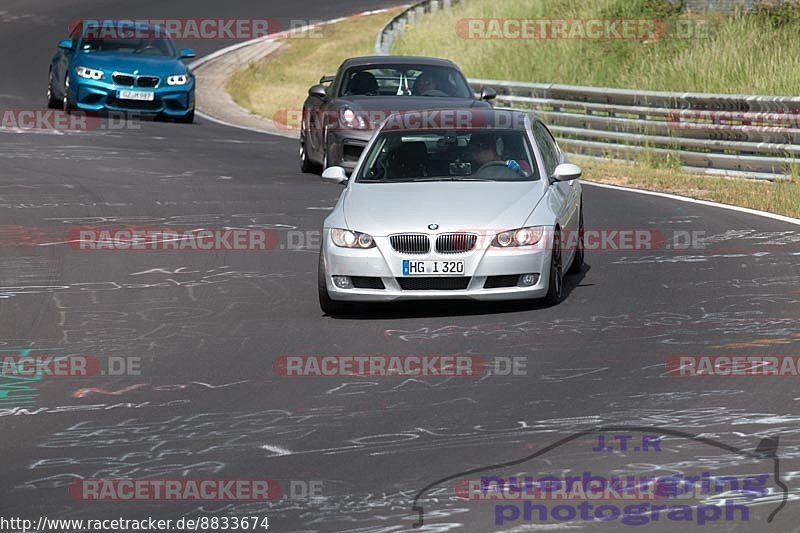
column 328, row 306
column 555, row 290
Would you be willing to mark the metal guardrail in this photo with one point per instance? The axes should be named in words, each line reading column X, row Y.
column 719, row 134
column 385, row 37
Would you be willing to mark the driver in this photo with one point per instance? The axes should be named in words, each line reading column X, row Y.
column 483, row 149
column 425, row 83
column 486, row 148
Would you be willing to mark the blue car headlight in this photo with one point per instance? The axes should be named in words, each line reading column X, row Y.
column 178, row 79
column 89, row 73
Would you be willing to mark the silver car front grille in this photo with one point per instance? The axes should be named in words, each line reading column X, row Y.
column 455, row 243
column 410, row 243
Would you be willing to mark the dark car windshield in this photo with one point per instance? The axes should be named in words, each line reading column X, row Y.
column 404, row 80
column 468, row 155
column 125, row 40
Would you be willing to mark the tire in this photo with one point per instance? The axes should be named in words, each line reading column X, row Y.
column 555, row 289
column 307, row 166
column 577, row 262
column 325, row 150
column 328, row 306
column 65, row 105
column 52, row 101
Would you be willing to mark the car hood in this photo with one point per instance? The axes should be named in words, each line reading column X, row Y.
column 146, row 65
column 382, row 209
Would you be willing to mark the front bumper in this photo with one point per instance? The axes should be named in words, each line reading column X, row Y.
column 102, row 95
column 345, row 147
column 480, row 264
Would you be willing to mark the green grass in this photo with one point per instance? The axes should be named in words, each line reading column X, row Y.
column 755, row 53
column 277, row 86
column 781, row 197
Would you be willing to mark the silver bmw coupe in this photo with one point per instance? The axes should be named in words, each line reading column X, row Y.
column 453, row 204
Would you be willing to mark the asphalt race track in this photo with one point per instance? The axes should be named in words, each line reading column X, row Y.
column 208, row 326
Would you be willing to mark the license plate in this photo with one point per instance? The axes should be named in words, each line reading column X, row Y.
column 433, row 268
column 146, row 96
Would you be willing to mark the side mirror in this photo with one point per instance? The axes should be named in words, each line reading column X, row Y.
column 335, row 175
column 566, row 172
column 319, row 91
column 487, row 93
column 187, row 53
column 65, row 44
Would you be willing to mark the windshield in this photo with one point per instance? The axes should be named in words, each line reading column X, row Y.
column 484, row 155
column 405, row 80
column 126, row 41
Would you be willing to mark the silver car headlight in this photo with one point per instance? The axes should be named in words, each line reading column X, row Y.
column 518, row 237
column 89, row 73
column 351, row 120
column 345, row 238
column 178, row 79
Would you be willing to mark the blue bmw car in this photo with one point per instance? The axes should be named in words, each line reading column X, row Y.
column 123, row 67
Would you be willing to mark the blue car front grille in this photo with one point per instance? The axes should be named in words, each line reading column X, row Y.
column 129, row 80
column 147, row 81
column 123, row 79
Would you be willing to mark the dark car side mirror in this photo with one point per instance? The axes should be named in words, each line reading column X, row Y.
column 487, row 93
column 65, row 44
column 318, row 91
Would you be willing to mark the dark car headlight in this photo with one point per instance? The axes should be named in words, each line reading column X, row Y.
column 89, row 73
column 345, row 238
